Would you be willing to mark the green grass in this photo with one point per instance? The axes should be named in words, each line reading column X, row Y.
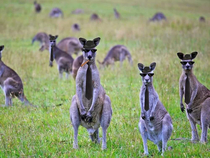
column 46, row 131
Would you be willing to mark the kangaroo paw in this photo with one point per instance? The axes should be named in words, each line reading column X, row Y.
column 151, row 118
column 189, row 110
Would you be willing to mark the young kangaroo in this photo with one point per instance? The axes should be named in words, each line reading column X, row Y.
column 43, row 38
column 76, row 65
column 155, row 123
column 116, row 53
column 116, row 14
column 63, row 60
column 11, row 83
column 90, row 107
column 71, row 45
column 196, row 96
column 37, row 7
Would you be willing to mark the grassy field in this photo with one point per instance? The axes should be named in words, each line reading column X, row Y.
column 46, row 131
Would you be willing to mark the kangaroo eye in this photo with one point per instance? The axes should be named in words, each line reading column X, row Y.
column 143, row 75
column 191, row 62
column 151, row 74
column 93, row 50
column 183, row 62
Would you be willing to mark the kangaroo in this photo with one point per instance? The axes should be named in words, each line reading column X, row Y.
column 43, row 38
column 76, row 65
column 95, row 17
column 90, row 107
column 75, row 27
column 196, row 97
column 202, row 19
column 37, row 7
column 155, row 123
column 116, row 14
column 71, row 45
column 116, row 53
column 77, row 11
column 158, row 17
column 56, row 13
column 11, row 83
column 63, row 60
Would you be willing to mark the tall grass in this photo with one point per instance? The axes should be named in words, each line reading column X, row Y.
column 46, row 131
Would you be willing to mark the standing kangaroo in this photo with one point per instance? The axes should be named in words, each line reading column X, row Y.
column 116, row 53
column 116, row 14
column 37, row 7
column 155, row 122
column 43, row 39
column 11, row 84
column 71, row 45
column 63, row 60
column 90, row 107
column 196, row 96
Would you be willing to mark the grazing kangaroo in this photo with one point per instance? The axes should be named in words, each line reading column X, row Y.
column 76, row 65
column 155, row 123
column 70, row 45
column 63, row 60
column 78, row 11
column 43, row 38
column 202, row 19
column 95, row 17
column 158, row 17
column 56, row 13
column 11, row 84
column 116, row 14
column 90, row 107
column 116, row 53
column 196, row 97
column 75, row 27
column 37, row 7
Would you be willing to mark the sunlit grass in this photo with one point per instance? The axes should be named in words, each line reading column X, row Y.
column 46, row 131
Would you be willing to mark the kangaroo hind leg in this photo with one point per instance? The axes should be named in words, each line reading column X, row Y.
column 105, row 119
column 75, row 120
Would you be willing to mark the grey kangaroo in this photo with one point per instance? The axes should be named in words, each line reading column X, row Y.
column 37, row 7
column 11, row 83
column 63, row 60
column 90, row 107
column 116, row 14
column 196, row 97
column 43, row 39
column 56, row 13
column 155, row 123
column 116, row 53
column 71, row 45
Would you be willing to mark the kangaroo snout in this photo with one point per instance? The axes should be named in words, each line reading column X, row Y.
column 89, row 57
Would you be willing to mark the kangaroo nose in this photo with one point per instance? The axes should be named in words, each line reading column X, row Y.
column 89, row 57
column 187, row 67
column 147, row 80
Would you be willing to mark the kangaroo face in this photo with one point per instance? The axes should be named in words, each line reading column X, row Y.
column 187, row 60
column 146, row 72
column 89, row 54
column 89, row 51
column 52, row 40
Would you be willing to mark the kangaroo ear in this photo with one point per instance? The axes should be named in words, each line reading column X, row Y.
column 194, row 54
column 141, row 66
column 180, row 55
column 56, row 36
column 1, row 47
column 82, row 41
column 152, row 66
column 96, row 40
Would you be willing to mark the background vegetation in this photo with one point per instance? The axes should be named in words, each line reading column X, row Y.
column 46, row 131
